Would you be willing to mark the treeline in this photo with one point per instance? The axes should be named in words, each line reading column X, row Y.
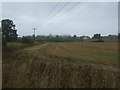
column 68, row 38
column 49, row 38
column 9, row 34
column 58, row 38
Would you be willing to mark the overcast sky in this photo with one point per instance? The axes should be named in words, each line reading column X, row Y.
column 57, row 18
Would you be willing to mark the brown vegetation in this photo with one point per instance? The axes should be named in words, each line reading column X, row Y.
column 61, row 65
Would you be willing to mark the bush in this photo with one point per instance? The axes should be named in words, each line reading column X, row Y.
column 27, row 39
column 98, row 41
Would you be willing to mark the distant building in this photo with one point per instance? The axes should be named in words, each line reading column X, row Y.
column 110, row 37
column 85, row 37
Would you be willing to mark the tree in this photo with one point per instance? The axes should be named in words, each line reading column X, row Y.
column 74, row 36
column 96, row 36
column 8, row 30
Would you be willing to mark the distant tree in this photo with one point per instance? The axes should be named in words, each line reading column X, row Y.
column 9, row 33
column 74, row 36
column 57, row 36
column 27, row 39
column 50, row 35
column 97, row 36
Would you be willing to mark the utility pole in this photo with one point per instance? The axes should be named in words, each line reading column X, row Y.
column 34, row 32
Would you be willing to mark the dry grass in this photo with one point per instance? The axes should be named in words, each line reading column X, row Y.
column 61, row 65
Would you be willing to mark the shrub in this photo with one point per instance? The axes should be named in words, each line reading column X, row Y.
column 98, row 40
column 27, row 39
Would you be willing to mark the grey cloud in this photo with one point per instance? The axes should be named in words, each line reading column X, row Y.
column 86, row 18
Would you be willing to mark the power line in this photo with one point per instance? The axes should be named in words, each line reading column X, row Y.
column 50, row 12
column 68, row 9
column 71, row 7
column 59, row 10
column 46, row 19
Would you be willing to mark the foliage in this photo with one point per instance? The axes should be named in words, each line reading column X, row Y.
column 99, row 40
column 58, row 38
column 74, row 36
column 27, row 39
column 96, row 36
column 8, row 30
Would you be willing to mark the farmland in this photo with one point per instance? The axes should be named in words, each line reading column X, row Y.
column 61, row 65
